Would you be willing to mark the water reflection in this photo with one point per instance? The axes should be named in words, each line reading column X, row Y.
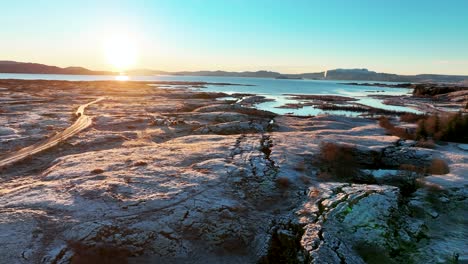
column 122, row 78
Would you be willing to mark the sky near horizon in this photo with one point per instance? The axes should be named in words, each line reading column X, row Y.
column 405, row 37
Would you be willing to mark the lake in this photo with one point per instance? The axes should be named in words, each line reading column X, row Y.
column 268, row 87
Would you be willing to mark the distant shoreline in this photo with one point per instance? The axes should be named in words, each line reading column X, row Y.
column 13, row 67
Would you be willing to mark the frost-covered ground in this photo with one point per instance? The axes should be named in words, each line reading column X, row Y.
column 171, row 176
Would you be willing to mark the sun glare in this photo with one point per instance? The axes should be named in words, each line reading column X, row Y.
column 122, row 78
column 121, row 52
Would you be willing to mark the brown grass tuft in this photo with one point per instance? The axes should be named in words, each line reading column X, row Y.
column 411, row 118
column 282, row 182
column 438, row 167
column 97, row 171
column 338, row 161
column 140, row 163
column 429, row 144
column 393, row 130
column 103, row 254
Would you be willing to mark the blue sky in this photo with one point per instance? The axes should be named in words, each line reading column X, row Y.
column 406, row 37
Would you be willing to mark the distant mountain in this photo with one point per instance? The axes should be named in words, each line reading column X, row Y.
column 259, row 74
column 26, row 67
column 336, row 74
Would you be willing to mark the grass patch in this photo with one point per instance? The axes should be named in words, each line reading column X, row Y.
column 426, row 143
column 438, row 167
column 391, row 129
column 103, row 254
column 282, row 182
column 97, row 171
column 411, row 118
column 451, row 127
column 338, row 161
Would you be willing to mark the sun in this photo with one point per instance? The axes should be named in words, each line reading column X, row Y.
column 120, row 51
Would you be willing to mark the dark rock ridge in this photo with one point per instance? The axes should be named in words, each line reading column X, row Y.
column 434, row 89
column 400, row 85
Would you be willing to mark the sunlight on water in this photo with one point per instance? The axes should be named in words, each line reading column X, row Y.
column 122, row 78
column 270, row 88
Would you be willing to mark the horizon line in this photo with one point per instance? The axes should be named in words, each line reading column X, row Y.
column 232, row 71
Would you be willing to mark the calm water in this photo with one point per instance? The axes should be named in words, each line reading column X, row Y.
column 270, row 88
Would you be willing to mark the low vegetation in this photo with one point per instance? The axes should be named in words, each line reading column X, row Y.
column 432, row 90
column 394, row 130
column 447, row 127
column 104, row 254
column 426, row 143
column 338, row 161
column 359, row 108
column 438, row 167
column 282, row 182
column 411, row 117
column 452, row 127
column 97, row 171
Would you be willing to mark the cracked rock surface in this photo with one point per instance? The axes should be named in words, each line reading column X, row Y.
column 167, row 177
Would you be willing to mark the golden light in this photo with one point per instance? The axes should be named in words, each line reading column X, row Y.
column 122, row 77
column 121, row 51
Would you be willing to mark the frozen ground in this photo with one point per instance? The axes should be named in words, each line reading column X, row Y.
column 171, row 176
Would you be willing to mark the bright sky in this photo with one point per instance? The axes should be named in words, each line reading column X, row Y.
column 398, row 36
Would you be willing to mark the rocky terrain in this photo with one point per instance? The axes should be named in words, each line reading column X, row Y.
column 174, row 176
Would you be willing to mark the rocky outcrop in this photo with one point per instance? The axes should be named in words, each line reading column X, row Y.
column 351, row 223
column 159, row 179
column 235, row 127
column 434, row 89
column 177, row 205
column 395, row 156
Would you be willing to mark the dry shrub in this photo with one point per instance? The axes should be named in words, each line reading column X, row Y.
column 97, row 171
column 282, row 182
column 447, row 127
column 385, row 123
column 410, row 117
column 140, row 163
column 429, row 144
column 438, row 167
column 103, row 254
column 400, row 132
column 338, row 161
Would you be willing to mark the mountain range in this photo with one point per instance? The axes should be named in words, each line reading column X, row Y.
column 336, row 74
